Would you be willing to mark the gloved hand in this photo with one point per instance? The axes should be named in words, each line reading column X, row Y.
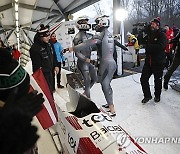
column 17, row 134
column 64, row 63
column 30, row 104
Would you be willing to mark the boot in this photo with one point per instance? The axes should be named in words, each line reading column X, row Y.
column 165, row 85
column 146, row 99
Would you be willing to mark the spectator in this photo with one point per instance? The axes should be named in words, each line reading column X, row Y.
column 60, row 59
column 175, row 30
column 43, row 56
column 154, row 62
column 168, row 50
column 15, row 53
column 133, row 41
column 175, row 63
column 17, row 107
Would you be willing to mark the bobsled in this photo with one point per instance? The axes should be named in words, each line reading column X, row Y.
column 86, row 128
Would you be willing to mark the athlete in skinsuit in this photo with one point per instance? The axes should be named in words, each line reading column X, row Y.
column 105, row 45
column 87, row 70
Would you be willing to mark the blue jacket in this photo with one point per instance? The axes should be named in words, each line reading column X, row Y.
column 58, row 50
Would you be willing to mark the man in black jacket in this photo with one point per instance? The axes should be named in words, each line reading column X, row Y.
column 155, row 43
column 176, row 61
column 42, row 55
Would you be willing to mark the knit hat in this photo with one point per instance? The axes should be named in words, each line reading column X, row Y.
column 12, row 75
column 157, row 21
column 43, row 31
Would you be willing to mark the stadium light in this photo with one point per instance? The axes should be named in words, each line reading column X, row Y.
column 121, row 15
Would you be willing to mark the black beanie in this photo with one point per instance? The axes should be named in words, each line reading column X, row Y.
column 12, row 75
column 157, row 21
column 43, row 31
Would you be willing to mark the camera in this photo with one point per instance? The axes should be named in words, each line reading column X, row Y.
column 141, row 30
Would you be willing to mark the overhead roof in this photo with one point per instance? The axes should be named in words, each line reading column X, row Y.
column 32, row 13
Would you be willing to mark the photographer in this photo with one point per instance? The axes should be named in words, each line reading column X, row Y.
column 154, row 42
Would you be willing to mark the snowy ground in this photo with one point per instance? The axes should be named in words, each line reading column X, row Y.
column 143, row 122
column 150, row 120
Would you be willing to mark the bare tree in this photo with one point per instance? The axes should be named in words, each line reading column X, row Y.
column 168, row 10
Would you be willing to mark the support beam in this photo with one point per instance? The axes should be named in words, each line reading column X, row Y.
column 4, row 30
column 37, row 8
column 10, row 33
column 59, row 6
column 30, row 29
column 82, row 6
column 40, row 20
column 70, row 6
column 31, row 42
column 5, row 7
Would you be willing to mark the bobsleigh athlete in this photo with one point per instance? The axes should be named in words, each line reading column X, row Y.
column 87, row 70
column 105, row 45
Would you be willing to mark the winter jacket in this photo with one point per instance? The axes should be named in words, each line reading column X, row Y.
column 169, row 35
column 155, row 47
column 133, row 41
column 42, row 56
column 58, row 50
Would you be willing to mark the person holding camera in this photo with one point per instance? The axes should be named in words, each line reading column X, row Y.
column 60, row 59
column 155, row 42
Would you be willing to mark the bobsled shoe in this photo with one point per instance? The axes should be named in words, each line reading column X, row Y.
column 112, row 114
column 105, row 106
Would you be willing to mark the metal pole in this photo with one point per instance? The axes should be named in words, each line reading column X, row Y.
column 122, row 41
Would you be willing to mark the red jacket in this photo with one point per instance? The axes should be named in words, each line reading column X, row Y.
column 169, row 35
column 16, row 54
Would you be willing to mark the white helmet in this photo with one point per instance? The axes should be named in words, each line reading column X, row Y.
column 102, row 22
column 82, row 23
column 129, row 34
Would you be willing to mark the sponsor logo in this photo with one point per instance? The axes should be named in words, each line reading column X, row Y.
column 96, row 134
column 72, row 142
column 96, row 119
column 100, row 118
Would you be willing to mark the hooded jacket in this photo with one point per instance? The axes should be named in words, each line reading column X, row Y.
column 42, row 56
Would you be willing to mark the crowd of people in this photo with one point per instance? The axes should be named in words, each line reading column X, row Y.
column 13, row 50
column 46, row 54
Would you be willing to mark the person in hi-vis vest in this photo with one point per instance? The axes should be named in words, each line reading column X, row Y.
column 133, row 41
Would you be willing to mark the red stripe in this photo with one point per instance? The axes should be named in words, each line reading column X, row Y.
column 55, row 28
column 43, row 116
column 74, row 122
column 86, row 146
